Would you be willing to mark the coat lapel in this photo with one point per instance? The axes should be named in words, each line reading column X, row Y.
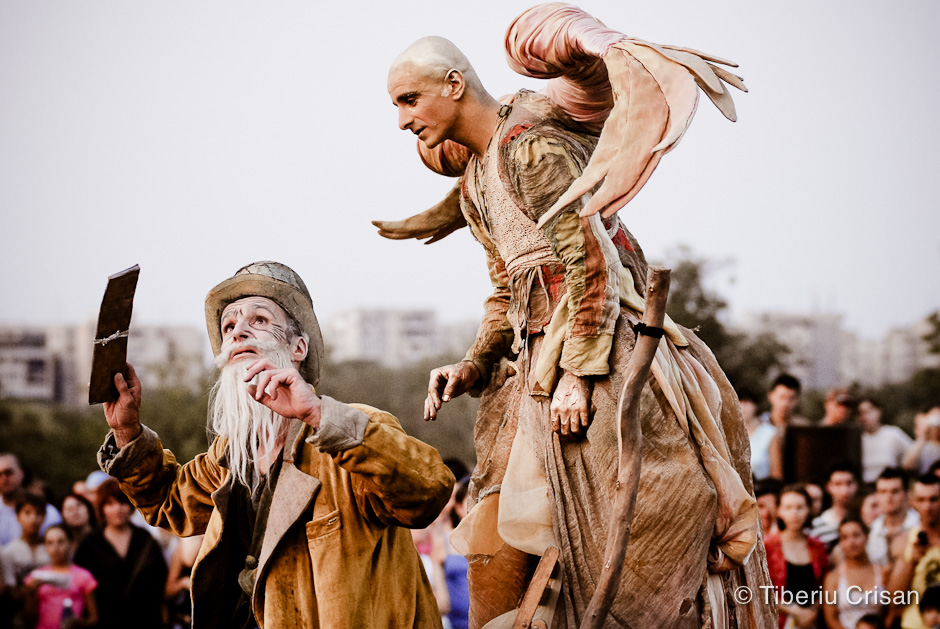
column 294, row 492
column 220, row 498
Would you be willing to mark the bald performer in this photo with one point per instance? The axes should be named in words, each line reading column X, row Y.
column 562, row 311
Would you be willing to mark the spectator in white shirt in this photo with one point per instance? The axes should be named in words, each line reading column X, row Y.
column 882, row 446
column 765, row 459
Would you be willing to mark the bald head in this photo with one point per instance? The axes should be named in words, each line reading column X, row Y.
column 434, row 58
column 439, row 96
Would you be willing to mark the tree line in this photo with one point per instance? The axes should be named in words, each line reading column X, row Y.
column 59, row 444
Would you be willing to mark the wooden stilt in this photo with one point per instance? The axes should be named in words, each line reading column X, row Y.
column 630, row 441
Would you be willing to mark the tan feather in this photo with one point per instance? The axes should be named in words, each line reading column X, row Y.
column 704, row 76
column 722, row 100
column 696, row 65
column 703, row 55
column 646, row 123
column 731, row 79
column 678, row 87
column 636, row 124
column 618, row 204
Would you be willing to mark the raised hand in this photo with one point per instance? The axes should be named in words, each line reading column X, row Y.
column 448, row 382
column 123, row 414
column 284, row 391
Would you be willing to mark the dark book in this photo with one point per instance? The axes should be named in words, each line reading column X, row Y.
column 114, row 320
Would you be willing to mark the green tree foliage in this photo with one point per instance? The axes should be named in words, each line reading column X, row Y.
column 401, row 392
column 749, row 361
column 901, row 401
column 933, row 336
column 178, row 415
column 58, row 445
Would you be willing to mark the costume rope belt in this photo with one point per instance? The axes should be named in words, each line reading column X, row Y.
column 117, row 335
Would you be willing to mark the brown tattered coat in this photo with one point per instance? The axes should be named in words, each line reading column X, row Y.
column 334, row 554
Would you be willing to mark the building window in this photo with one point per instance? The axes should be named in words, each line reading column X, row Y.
column 35, row 371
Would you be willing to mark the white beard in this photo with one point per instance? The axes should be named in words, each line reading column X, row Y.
column 250, row 427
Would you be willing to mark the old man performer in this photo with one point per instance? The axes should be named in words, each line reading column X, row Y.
column 567, row 292
column 301, row 497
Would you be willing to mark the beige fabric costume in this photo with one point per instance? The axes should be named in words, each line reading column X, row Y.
column 541, row 491
column 695, row 536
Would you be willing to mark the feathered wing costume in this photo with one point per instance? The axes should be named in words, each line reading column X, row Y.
column 640, row 98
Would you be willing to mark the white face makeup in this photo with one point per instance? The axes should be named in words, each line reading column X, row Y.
column 251, row 318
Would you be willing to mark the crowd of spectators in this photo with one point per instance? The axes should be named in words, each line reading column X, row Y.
column 860, row 546
column 95, row 563
column 843, row 551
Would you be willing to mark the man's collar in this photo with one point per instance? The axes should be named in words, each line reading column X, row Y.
column 290, row 443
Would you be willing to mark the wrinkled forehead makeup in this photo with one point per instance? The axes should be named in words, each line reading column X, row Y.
column 250, row 304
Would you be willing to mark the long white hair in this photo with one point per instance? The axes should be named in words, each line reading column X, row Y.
column 250, row 427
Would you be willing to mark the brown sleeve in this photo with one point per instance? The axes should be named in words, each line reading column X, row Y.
column 541, row 168
column 398, row 479
column 494, row 336
column 169, row 495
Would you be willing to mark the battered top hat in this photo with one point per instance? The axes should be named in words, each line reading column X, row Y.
column 280, row 284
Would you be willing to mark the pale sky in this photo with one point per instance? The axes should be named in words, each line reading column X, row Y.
column 194, row 137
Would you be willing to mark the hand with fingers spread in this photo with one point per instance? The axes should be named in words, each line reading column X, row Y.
column 123, row 414
column 284, row 391
column 448, row 382
column 571, row 405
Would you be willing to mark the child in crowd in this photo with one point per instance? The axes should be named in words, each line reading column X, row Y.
column 61, row 590
column 21, row 555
